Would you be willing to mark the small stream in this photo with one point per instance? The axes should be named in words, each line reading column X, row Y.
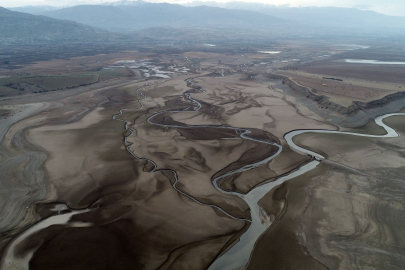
column 11, row 261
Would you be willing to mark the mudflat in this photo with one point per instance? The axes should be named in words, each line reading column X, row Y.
column 152, row 168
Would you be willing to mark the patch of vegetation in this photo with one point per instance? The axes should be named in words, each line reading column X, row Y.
column 327, row 78
column 161, row 91
column 7, row 91
column 4, row 112
column 107, row 74
column 61, row 82
column 16, row 85
column 25, row 84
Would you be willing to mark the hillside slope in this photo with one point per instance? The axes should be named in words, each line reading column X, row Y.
column 129, row 18
column 26, row 27
column 336, row 17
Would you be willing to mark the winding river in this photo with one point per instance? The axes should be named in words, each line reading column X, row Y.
column 238, row 256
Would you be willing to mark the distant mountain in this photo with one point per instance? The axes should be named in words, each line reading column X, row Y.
column 338, row 17
column 35, row 10
column 234, row 19
column 125, row 3
column 21, row 26
column 187, row 36
column 144, row 15
column 40, row 10
column 317, row 16
column 106, row 17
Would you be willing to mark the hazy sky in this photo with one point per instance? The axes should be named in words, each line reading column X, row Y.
column 391, row 7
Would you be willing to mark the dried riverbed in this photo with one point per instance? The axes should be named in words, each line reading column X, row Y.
column 238, row 256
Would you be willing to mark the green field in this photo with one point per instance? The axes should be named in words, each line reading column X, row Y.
column 107, row 74
column 3, row 112
column 7, row 91
column 161, row 91
column 46, row 83
column 60, row 82
column 16, row 85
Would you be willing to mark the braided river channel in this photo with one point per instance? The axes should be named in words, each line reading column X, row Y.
column 237, row 257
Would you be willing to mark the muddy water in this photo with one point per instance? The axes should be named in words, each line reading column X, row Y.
column 373, row 62
column 11, row 261
column 379, row 121
column 238, row 256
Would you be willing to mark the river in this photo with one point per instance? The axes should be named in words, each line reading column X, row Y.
column 238, row 256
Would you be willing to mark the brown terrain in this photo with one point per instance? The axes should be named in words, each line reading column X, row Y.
column 133, row 159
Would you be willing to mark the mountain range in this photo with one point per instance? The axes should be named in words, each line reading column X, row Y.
column 125, row 18
column 26, row 27
column 237, row 20
column 327, row 16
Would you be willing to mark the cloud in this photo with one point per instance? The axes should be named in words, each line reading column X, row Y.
column 363, row 6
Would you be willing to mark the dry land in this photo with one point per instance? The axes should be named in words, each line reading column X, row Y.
column 152, row 155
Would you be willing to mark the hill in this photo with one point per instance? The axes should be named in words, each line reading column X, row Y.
column 336, row 17
column 23, row 27
column 260, row 19
column 126, row 17
column 34, row 10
